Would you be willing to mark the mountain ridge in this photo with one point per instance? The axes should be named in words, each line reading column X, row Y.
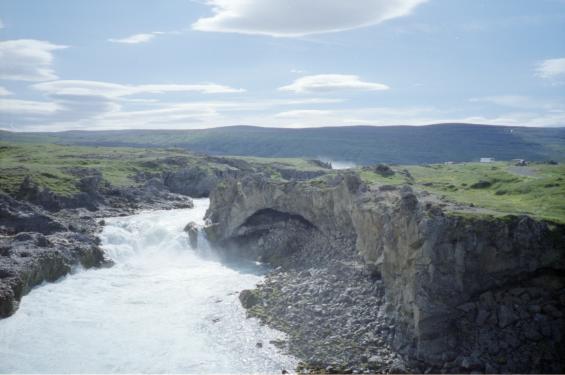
column 363, row 144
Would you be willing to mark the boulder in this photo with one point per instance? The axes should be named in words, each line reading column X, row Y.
column 192, row 230
column 248, row 298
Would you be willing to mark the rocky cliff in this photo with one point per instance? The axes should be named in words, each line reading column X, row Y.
column 37, row 246
column 463, row 291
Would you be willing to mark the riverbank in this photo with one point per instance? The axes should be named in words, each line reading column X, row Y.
column 38, row 245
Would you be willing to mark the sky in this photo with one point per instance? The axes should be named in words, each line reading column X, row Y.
column 186, row 64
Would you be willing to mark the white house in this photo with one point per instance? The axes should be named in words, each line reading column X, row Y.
column 487, row 160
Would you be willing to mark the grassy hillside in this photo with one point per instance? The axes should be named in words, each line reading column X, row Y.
column 537, row 190
column 362, row 144
column 52, row 165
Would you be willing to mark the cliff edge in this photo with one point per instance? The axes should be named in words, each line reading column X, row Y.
column 463, row 291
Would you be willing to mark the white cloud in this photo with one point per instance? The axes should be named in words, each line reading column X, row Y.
column 142, row 37
column 27, row 60
column 531, row 118
column 302, row 113
column 115, row 90
column 519, row 101
column 103, row 105
column 134, row 39
column 294, row 18
column 331, row 82
column 73, row 104
column 26, row 107
column 382, row 116
column 551, row 68
column 83, row 112
column 4, row 91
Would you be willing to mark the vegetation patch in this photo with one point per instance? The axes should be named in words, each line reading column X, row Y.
column 492, row 186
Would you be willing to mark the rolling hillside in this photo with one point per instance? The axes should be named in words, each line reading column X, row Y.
column 358, row 144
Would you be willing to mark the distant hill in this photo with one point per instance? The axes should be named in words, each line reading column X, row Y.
column 358, row 144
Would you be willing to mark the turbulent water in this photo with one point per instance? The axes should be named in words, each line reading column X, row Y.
column 163, row 307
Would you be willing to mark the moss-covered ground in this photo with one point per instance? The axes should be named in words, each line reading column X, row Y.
column 537, row 190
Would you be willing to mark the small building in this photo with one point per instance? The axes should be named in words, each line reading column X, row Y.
column 448, row 163
column 487, row 160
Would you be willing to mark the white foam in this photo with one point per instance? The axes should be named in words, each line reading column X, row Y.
column 161, row 308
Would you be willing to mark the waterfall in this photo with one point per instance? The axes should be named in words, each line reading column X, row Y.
column 162, row 307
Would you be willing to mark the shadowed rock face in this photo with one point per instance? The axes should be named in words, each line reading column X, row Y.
column 36, row 246
column 192, row 181
column 464, row 293
column 270, row 236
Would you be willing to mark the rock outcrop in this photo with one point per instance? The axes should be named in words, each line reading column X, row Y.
column 36, row 246
column 463, row 292
column 191, row 230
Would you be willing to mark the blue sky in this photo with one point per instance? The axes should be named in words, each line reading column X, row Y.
column 68, row 65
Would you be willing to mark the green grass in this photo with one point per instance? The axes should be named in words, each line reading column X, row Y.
column 49, row 165
column 541, row 195
column 375, row 178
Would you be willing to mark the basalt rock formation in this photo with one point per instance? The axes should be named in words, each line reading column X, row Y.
column 404, row 275
column 43, row 235
column 36, row 246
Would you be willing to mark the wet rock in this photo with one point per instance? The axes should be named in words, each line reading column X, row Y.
column 374, row 362
column 506, row 316
column 193, row 181
column 192, row 230
column 248, row 298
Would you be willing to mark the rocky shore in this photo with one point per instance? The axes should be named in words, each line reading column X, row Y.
column 388, row 279
column 42, row 241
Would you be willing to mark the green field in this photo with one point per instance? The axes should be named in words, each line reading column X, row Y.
column 537, row 190
column 51, row 166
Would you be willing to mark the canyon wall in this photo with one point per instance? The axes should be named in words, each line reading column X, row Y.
column 464, row 291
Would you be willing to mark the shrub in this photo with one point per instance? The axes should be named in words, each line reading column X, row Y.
column 482, row 184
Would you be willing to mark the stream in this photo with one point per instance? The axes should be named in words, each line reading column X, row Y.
column 163, row 307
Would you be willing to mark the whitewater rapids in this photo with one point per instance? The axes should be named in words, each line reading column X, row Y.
column 162, row 308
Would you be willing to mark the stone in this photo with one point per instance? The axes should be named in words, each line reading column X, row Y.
column 248, row 298
column 374, row 361
column 531, row 332
column 506, row 316
column 482, row 317
column 192, row 230
column 472, row 363
column 467, row 307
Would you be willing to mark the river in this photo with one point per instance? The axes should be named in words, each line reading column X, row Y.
column 162, row 307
